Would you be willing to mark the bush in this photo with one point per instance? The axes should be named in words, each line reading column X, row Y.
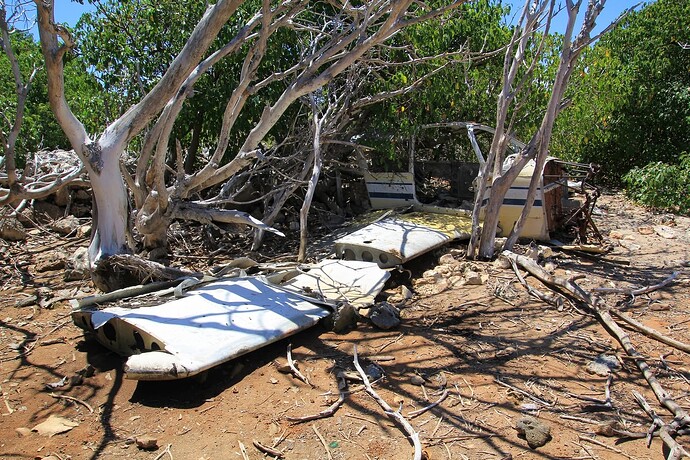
column 661, row 185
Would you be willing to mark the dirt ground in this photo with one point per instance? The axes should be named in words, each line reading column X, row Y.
column 500, row 354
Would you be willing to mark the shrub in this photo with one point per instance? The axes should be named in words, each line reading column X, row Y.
column 661, row 185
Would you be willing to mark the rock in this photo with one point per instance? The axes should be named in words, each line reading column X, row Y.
column 78, row 267
column 603, row 365
column 385, row 316
column 432, row 275
column 447, row 259
column 501, row 263
column 147, row 442
column 534, row 431
column 417, row 380
column 66, row 225
column 23, row 431
column 473, row 278
column 11, row 229
column 84, row 231
column 665, row 231
column 373, row 372
column 630, row 245
column 545, row 252
column 406, row 293
column 51, row 260
column 618, row 234
column 48, row 210
column 344, row 318
column 62, row 196
column 645, row 230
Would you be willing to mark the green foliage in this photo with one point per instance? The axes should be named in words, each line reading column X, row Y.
column 39, row 128
column 631, row 95
column 661, row 185
column 461, row 91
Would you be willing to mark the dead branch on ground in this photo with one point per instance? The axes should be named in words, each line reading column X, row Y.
column 568, row 287
column 293, row 367
column 395, row 415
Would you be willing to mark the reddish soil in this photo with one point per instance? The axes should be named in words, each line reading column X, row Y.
column 500, row 354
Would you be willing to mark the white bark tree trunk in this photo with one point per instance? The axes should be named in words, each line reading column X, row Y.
column 537, row 148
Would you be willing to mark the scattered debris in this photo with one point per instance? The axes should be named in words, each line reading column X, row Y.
column 55, row 424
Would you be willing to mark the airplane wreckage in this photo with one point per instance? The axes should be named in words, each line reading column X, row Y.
column 217, row 320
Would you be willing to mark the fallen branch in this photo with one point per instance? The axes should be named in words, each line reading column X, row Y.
column 639, row 291
column 293, row 368
column 666, row 431
column 649, row 332
column 397, row 416
column 268, row 450
column 328, row 412
column 71, row 398
column 556, row 301
column 323, row 441
column 166, row 451
column 419, row 412
column 570, row 288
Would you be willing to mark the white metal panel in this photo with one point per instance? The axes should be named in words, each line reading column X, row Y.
column 215, row 323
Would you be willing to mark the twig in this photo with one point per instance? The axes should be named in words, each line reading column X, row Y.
column 293, row 368
column 419, row 412
column 71, row 398
column 604, row 445
column 323, row 441
column 243, row 450
column 166, row 451
column 268, row 450
column 524, row 393
column 397, row 416
column 326, row 412
column 385, row 345
column 643, row 290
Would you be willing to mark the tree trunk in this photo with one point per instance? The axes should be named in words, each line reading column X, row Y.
column 316, row 172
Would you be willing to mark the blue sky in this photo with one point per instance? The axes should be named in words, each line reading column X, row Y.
column 69, row 12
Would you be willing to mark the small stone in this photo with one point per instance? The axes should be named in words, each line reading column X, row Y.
column 417, row 380
column 447, row 259
column 11, row 229
column 66, row 225
column 665, row 231
column 84, row 231
column 77, row 267
column 23, row 431
column 345, row 318
column 534, row 431
column 48, row 261
column 501, row 263
column 603, row 365
column 406, row 293
column 147, row 443
column 473, row 278
column 385, row 316
column 373, row 372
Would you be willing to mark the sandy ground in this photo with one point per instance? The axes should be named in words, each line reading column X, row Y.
column 490, row 352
